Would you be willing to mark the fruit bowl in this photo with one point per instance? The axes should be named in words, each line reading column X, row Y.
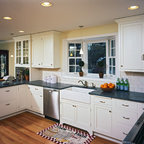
column 107, row 89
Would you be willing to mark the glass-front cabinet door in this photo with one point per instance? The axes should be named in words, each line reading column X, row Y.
column 22, row 51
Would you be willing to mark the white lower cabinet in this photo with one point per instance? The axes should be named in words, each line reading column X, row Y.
column 101, row 115
column 76, row 114
column 8, row 100
column 36, row 97
column 23, row 99
column 125, row 114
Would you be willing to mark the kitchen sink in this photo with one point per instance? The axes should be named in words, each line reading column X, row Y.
column 76, row 94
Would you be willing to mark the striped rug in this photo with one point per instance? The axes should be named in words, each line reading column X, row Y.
column 63, row 134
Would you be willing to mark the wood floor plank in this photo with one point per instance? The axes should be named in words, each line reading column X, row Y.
column 22, row 129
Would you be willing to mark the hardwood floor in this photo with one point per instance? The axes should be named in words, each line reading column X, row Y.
column 22, row 129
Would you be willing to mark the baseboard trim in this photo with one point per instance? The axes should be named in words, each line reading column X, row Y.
column 19, row 112
column 108, row 138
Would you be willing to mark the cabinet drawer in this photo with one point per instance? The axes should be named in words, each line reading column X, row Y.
column 121, row 131
column 140, row 109
column 126, row 105
column 101, row 101
column 127, row 118
column 36, row 90
column 7, row 94
column 8, row 108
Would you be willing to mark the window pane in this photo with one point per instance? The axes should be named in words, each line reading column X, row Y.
column 96, row 54
column 78, row 54
column 78, row 46
column 110, row 70
column 110, row 61
column 71, row 54
column 112, row 52
column 71, row 68
column 113, row 61
column 77, row 69
column 77, row 61
column 71, row 61
column 114, row 70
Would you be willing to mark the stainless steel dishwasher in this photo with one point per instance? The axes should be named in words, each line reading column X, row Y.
column 52, row 104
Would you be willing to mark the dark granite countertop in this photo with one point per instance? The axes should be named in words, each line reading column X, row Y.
column 130, row 96
column 136, row 134
column 58, row 86
column 40, row 83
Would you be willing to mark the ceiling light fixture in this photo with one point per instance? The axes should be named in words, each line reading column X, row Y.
column 133, row 7
column 21, row 31
column 46, row 4
column 7, row 18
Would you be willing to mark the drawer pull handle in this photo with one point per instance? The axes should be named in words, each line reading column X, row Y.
column 126, row 118
column 74, row 106
column 110, row 111
column 7, row 91
column 7, row 104
column 36, row 89
column 124, row 133
column 125, row 105
column 102, row 101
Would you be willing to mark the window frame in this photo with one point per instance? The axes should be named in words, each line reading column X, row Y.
column 83, row 40
column 86, row 56
column 79, row 41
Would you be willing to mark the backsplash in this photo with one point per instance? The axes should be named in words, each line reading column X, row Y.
column 136, row 80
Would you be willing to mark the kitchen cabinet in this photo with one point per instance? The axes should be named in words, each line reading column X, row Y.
column 24, row 99
column 8, row 100
column 125, row 114
column 36, row 98
column 131, row 44
column 45, row 50
column 76, row 114
column 22, row 51
column 101, row 115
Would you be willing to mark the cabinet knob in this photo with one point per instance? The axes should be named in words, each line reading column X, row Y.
column 7, row 91
column 110, row 111
column 73, row 105
column 7, row 104
column 142, row 57
column 121, row 65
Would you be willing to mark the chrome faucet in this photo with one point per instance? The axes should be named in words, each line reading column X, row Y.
column 84, row 83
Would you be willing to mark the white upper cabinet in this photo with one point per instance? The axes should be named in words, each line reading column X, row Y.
column 131, row 43
column 45, row 50
column 22, row 51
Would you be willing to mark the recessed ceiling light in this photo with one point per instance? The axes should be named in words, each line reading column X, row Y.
column 133, row 7
column 46, row 4
column 7, row 18
column 21, row 31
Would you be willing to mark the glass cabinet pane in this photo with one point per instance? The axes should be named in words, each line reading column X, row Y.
column 25, row 52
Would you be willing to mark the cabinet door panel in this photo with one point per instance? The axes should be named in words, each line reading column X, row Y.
column 37, row 103
column 48, row 51
column 37, row 51
column 83, row 116
column 103, row 118
column 132, row 46
column 67, row 113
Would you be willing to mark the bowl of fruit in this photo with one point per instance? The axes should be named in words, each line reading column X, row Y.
column 107, row 87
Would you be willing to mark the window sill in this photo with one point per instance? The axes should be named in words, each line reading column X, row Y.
column 89, row 78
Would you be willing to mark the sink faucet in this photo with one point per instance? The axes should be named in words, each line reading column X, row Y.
column 84, row 83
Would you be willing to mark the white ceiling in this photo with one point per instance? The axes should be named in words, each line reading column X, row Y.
column 30, row 16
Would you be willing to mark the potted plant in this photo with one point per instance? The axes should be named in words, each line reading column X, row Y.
column 101, row 64
column 81, row 64
column 26, row 74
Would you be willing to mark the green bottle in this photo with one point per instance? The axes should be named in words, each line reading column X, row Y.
column 118, row 84
column 122, row 84
column 126, row 85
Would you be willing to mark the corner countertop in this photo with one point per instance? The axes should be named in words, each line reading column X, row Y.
column 58, row 86
column 40, row 83
column 130, row 96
